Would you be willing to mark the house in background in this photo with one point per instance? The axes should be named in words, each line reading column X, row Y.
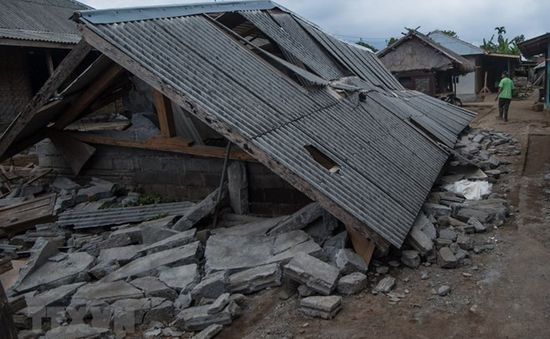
column 421, row 64
column 469, row 86
column 35, row 35
column 540, row 45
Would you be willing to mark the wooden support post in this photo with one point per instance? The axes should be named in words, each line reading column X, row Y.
column 165, row 114
column 362, row 246
column 93, row 91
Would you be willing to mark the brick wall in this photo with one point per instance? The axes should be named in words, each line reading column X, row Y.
column 178, row 176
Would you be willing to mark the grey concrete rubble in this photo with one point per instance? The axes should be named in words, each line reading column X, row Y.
column 321, row 306
column 410, row 258
column 199, row 211
column 314, row 273
column 385, row 285
column 149, row 264
column 255, row 279
column 298, row 220
column 176, row 240
column 352, row 283
column 219, row 303
column 180, row 278
column 446, row 258
column 197, row 318
column 348, row 262
column 211, row 286
column 57, row 296
column 108, row 292
column 153, row 287
column 236, row 252
column 237, row 186
column 77, row 331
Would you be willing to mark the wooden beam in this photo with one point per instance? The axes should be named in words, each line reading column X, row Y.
column 163, row 106
column 93, row 91
column 61, row 73
column 174, row 145
column 226, row 130
column 362, row 246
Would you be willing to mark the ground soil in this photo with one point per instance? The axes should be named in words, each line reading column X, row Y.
column 504, row 293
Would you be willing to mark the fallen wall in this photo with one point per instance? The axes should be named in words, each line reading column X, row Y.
column 177, row 176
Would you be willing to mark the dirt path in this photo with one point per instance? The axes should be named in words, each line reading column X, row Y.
column 505, row 293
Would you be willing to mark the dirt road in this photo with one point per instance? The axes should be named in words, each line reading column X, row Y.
column 505, row 293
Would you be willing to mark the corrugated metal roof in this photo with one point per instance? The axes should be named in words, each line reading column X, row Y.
column 387, row 164
column 39, row 20
column 455, row 44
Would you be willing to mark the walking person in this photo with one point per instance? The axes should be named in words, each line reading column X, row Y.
column 504, row 95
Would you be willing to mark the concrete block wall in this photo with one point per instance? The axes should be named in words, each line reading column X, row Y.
column 178, row 176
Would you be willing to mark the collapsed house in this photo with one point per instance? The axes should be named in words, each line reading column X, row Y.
column 540, row 45
column 421, row 64
column 488, row 66
column 325, row 116
column 34, row 37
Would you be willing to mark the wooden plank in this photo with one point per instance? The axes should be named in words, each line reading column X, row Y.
column 18, row 218
column 94, row 90
column 163, row 106
column 75, row 152
column 174, row 145
column 362, row 246
column 61, row 73
column 227, row 131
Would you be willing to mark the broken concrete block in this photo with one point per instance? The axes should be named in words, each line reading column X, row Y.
column 197, row 318
column 322, row 228
column 448, row 234
column 446, row 258
column 338, row 241
column 41, row 251
column 181, row 278
column 162, row 310
column 122, row 237
column 321, row 307
column 148, row 309
column 255, row 279
column 107, row 291
column 237, row 186
column 176, row 240
column 198, row 211
column 424, row 224
column 348, row 262
column 100, row 189
column 149, row 264
column 153, row 287
column 63, row 183
column 119, row 255
column 77, row 331
column 234, row 253
column 385, row 285
column 436, row 210
column 410, row 258
column 478, row 226
column 352, row 283
column 153, row 234
column 298, row 220
column 464, row 242
column 54, row 297
column 219, row 304
column 183, row 301
column 420, row 241
column 53, row 274
column 211, row 286
column 314, row 273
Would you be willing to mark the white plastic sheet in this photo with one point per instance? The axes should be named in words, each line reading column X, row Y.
column 471, row 190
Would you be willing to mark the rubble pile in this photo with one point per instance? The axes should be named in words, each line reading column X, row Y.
column 110, row 266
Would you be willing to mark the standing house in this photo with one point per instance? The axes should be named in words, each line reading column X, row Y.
column 35, row 35
column 421, row 64
column 490, row 65
column 318, row 113
column 540, row 46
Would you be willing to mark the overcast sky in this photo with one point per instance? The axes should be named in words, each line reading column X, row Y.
column 377, row 20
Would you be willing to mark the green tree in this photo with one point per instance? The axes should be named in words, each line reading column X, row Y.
column 502, row 45
column 449, row 33
column 391, row 41
column 366, row 44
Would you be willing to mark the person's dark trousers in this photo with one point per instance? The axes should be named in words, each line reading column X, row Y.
column 503, row 106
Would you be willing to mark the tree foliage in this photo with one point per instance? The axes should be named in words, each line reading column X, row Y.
column 391, row 41
column 449, row 33
column 366, row 44
column 502, row 45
